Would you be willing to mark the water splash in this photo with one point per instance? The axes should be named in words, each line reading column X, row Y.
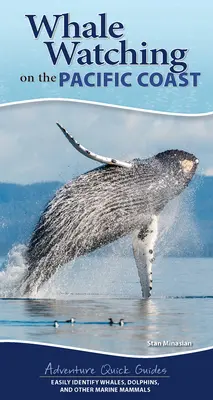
column 111, row 270
column 179, row 234
column 13, row 272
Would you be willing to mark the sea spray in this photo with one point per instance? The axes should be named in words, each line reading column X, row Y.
column 179, row 234
column 13, row 272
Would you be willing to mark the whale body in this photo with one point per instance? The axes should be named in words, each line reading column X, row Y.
column 103, row 205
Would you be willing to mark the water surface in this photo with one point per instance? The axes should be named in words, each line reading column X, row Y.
column 180, row 309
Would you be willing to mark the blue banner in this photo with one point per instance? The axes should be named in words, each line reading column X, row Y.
column 45, row 371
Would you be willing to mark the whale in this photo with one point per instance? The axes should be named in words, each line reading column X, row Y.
column 117, row 199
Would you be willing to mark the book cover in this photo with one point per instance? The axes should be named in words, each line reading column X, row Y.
column 106, row 188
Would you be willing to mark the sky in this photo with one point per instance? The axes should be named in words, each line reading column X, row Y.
column 33, row 149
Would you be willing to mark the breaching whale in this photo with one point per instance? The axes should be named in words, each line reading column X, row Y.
column 96, row 208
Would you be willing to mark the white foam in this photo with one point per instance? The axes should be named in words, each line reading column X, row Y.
column 13, row 272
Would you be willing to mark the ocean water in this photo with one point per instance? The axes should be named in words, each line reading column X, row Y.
column 96, row 288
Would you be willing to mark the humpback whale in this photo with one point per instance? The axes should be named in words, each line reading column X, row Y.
column 117, row 199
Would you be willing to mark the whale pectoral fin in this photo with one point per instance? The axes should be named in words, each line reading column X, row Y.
column 90, row 154
column 143, row 249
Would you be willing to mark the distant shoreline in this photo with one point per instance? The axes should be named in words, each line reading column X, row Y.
column 22, row 205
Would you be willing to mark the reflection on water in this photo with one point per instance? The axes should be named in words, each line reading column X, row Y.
column 147, row 320
column 180, row 310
